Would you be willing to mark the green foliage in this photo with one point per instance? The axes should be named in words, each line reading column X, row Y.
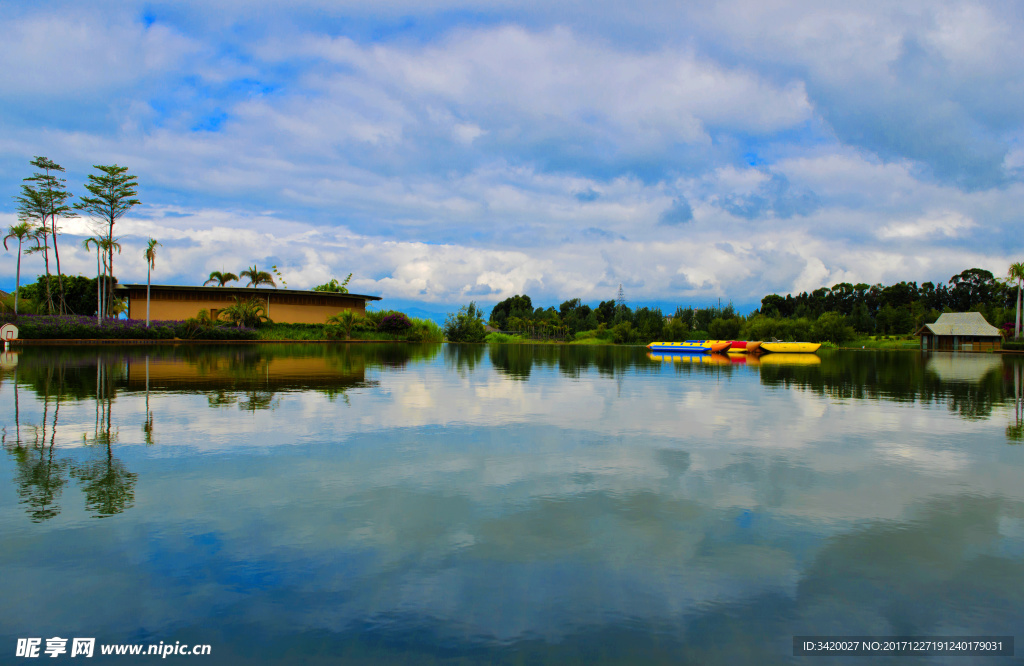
column 519, row 307
column 465, row 326
column 280, row 277
column 764, row 328
column 648, row 324
column 257, row 277
column 343, row 322
column 831, row 327
column 249, row 313
column 334, row 286
column 74, row 327
column 623, row 333
column 25, row 306
column 605, row 312
column 113, row 193
column 221, row 278
column 504, row 339
column 79, row 293
column 725, row 328
column 424, row 330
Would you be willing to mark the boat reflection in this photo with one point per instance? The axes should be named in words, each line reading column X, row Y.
column 695, row 359
column 790, row 359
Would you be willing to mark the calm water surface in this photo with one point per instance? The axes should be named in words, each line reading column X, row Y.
column 447, row 504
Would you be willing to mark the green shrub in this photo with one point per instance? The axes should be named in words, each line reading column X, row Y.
column 499, row 338
column 725, row 328
column 465, row 326
column 623, row 333
column 424, row 330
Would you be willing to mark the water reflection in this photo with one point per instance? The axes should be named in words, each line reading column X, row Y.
column 1015, row 431
column 507, row 504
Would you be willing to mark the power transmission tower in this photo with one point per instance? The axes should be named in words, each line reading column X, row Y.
column 620, row 300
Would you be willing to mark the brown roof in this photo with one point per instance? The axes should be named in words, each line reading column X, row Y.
column 246, row 290
column 961, row 323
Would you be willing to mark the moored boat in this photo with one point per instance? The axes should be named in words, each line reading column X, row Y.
column 687, row 347
column 789, row 359
column 791, row 347
column 719, row 345
column 744, row 347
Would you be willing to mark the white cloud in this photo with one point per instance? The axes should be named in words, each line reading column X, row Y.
column 78, row 53
column 477, row 161
column 949, row 225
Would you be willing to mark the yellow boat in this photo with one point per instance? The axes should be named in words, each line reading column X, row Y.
column 790, row 347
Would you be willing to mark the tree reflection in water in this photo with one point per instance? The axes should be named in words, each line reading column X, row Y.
column 41, row 473
column 1015, row 431
column 108, row 485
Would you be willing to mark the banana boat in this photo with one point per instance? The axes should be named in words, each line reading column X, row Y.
column 744, row 347
column 688, row 347
column 791, row 347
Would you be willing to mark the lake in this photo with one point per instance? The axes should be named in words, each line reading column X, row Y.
column 373, row 503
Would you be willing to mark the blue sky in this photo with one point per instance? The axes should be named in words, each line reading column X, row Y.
column 446, row 151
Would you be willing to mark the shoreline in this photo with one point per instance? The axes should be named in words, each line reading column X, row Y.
column 56, row 342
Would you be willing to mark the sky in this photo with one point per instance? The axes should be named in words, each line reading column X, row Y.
column 444, row 151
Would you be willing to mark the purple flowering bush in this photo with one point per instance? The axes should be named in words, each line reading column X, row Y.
column 396, row 323
column 73, row 327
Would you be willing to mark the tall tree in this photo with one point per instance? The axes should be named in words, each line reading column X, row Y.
column 257, row 277
column 55, row 197
column 113, row 192
column 1016, row 274
column 151, row 261
column 221, row 278
column 33, row 210
column 21, row 231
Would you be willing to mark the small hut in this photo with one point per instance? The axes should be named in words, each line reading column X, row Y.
column 960, row 331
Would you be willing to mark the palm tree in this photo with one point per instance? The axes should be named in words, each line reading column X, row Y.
column 21, row 231
column 1016, row 273
column 346, row 319
column 97, row 242
column 104, row 247
column 151, row 260
column 221, row 278
column 245, row 313
column 257, row 277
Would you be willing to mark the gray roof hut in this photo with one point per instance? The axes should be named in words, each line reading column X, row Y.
column 960, row 331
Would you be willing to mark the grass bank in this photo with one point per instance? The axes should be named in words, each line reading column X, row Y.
column 883, row 342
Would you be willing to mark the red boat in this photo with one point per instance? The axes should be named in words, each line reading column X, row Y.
column 743, row 347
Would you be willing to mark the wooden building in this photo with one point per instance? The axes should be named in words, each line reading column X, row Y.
column 960, row 331
column 286, row 306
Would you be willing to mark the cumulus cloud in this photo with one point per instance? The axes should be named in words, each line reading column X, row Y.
column 713, row 150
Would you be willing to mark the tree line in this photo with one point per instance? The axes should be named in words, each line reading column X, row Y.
column 837, row 314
